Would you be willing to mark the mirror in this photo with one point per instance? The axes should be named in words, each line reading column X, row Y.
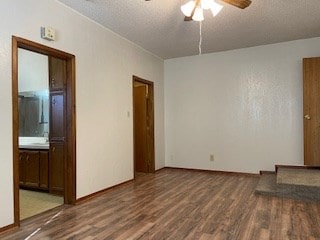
column 34, row 114
column 33, row 88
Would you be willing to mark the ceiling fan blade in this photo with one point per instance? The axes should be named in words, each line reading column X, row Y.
column 239, row 3
column 187, row 19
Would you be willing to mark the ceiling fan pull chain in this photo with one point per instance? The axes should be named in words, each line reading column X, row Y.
column 200, row 39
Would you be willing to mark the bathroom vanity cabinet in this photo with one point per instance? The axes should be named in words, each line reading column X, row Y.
column 42, row 169
column 34, row 169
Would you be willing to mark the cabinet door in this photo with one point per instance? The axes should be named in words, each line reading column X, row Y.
column 57, row 114
column 44, row 170
column 57, row 155
column 57, row 73
column 32, row 169
column 22, row 168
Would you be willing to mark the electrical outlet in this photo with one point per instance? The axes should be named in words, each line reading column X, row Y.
column 211, row 157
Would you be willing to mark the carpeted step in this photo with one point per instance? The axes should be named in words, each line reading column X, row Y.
column 267, row 184
column 295, row 183
column 300, row 177
column 303, row 184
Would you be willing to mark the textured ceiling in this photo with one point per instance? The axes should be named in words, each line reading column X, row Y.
column 158, row 25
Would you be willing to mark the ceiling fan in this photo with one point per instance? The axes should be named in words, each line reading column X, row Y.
column 193, row 10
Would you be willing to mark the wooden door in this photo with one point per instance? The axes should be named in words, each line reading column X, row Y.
column 140, row 129
column 57, row 162
column 57, row 115
column 57, row 73
column 44, row 170
column 143, row 121
column 311, row 110
column 57, row 143
column 57, row 156
column 22, row 167
column 32, row 169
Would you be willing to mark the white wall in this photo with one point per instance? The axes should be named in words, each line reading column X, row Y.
column 244, row 106
column 105, row 64
column 33, row 71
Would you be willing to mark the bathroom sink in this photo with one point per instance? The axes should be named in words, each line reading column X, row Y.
column 41, row 144
column 33, row 143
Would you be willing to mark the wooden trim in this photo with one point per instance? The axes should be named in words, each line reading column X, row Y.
column 101, row 192
column 15, row 132
column 39, row 48
column 151, row 94
column 141, row 80
column 215, row 171
column 70, row 184
column 70, row 174
column 267, row 172
column 7, row 229
column 160, row 169
column 297, row 167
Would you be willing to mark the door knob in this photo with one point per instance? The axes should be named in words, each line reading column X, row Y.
column 307, row 117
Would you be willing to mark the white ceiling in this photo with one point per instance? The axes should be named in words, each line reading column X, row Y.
column 158, row 26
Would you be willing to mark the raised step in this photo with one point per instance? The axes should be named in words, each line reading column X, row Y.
column 299, row 177
column 267, row 184
column 296, row 182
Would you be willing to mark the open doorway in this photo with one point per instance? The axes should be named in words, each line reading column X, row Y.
column 143, row 126
column 35, row 192
column 43, row 97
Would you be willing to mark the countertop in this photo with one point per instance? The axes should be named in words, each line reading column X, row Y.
column 35, row 146
column 33, row 143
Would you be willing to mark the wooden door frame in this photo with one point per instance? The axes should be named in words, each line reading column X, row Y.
column 70, row 166
column 151, row 96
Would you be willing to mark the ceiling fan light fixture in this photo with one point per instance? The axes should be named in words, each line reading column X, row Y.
column 198, row 14
column 215, row 8
column 187, row 8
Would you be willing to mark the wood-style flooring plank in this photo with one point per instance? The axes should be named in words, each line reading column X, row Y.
column 179, row 204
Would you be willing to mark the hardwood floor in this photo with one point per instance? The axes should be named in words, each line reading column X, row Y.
column 179, row 204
